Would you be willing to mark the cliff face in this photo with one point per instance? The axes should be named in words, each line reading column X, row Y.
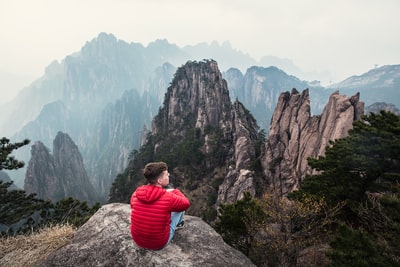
column 208, row 142
column 113, row 138
column 58, row 175
column 259, row 89
column 295, row 135
column 40, row 178
column 199, row 99
column 240, row 177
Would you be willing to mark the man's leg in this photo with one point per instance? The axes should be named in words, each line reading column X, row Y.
column 176, row 218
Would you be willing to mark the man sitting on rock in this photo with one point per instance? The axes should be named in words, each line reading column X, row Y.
column 156, row 211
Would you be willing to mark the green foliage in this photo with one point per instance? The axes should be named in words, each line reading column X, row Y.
column 366, row 161
column 353, row 203
column 120, row 189
column 233, row 222
column 218, row 144
column 273, row 231
column 185, row 151
column 8, row 162
column 357, row 249
column 16, row 204
column 362, row 171
column 72, row 211
column 209, row 214
column 20, row 213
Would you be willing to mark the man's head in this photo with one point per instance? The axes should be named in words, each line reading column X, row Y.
column 156, row 173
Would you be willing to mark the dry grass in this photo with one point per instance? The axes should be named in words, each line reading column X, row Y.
column 26, row 250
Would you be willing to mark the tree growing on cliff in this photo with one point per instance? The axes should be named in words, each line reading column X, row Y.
column 353, row 204
column 362, row 171
column 233, row 223
column 8, row 162
column 273, row 231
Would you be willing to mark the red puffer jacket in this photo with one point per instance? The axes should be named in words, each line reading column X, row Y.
column 151, row 214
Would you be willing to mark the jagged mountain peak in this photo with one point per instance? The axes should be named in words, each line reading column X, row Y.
column 377, row 85
column 198, row 96
column 161, row 43
column 104, row 38
column 378, row 106
column 272, row 72
column 384, row 76
column 58, row 175
column 105, row 41
column 260, row 88
column 208, row 142
column 89, row 80
column 226, row 56
column 295, row 135
column 64, row 147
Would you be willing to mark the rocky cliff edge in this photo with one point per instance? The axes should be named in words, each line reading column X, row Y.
column 105, row 240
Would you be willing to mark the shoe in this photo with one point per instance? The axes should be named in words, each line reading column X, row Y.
column 180, row 225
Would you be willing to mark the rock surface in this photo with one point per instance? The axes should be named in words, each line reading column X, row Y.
column 239, row 178
column 199, row 89
column 6, row 179
column 295, row 135
column 105, row 240
column 58, row 175
column 211, row 142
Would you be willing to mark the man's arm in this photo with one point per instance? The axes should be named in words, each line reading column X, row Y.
column 178, row 201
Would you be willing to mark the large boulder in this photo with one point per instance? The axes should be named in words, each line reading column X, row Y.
column 105, row 240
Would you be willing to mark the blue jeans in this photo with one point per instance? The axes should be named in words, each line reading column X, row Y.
column 176, row 218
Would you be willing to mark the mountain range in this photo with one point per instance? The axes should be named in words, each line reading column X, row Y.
column 215, row 150
column 106, row 95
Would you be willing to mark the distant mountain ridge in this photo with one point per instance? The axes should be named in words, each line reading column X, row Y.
column 6, row 179
column 215, row 149
column 259, row 89
column 377, row 85
column 378, row 106
column 105, row 96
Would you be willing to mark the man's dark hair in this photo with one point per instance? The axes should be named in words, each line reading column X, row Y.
column 153, row 170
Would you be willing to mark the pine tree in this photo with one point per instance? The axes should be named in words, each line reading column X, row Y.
column 8, row 162
column 362, row 171
column 235, row 222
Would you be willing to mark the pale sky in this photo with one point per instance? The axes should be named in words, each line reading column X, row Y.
column 344, row 37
